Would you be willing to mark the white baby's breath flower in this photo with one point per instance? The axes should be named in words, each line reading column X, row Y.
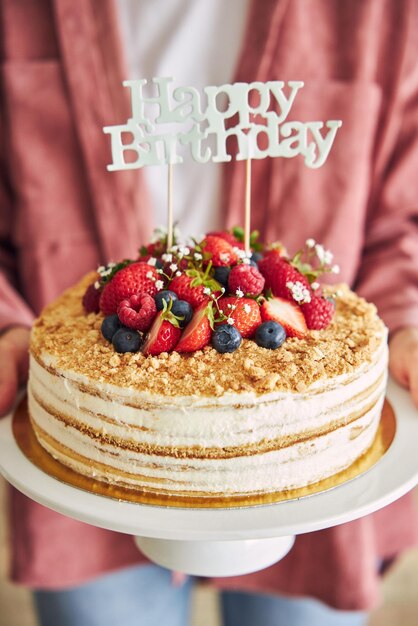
column 239, row 293
column 315, row 286
column 159, row 233
column 101, row 269
column 247, row 308
column 198, row 256
column 320, row 252
column 184, row 250
column 178, row 273
column 149, row 275
column 207, row 291
column 152, row 261
column 159, row 284
column 299, row 292
column 230, row 321
column 335, row 269
column 328, row 257
column 241, row 254
column 310, row 243
column 222, row 289
column 174, row 267
column 97, row 285
column 246, row 261
column 167, row 257
column 224, row 256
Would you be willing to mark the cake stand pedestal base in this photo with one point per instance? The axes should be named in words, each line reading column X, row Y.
column 215, row 558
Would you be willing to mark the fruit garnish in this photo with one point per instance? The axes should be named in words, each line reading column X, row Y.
column 165, row 295
column 126, row 340
column 183, row 311
column 318, row 313
column 243, row 313
column 91, row 298
column 198, row 332
column 270, row 335
column 110, row 325
column 132, row 279
column 286, row 313
column 247, row 279
column 218, row 251
column 226, row 338
column 279, row 275
column 164, row 333
column 138, row 311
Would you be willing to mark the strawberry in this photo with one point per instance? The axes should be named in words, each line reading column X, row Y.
column 163, row 335
column 194, row 295
column 278, row 273
column 138, row 311
column 244, row 312
column 318, row 313
column 198, row 332
column 133, row 279
column 246, row 278
column 286, row 313
column 91, row 299
column 229, row 237
column 219, row 251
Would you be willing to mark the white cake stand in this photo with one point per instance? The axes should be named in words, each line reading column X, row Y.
column 226, row 542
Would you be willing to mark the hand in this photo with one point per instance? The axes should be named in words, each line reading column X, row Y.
column 403, row 359
column 14, row 362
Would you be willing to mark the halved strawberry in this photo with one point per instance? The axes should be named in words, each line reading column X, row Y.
column 163, row 335
column 286, row 313
column 198, row 331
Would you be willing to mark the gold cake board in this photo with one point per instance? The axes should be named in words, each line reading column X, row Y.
column 27, row 442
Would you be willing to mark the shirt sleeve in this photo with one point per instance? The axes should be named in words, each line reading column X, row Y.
column 389, row 270
column 13, row 309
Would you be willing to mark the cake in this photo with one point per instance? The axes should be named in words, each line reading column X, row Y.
column 203, row 423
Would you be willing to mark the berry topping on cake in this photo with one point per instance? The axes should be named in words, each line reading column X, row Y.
column 163, row 335
column 191, row 288
column 286, row 313
column 221, row 275
column 183, row 311
column 247, row 279
column 229, row 237
column 166, row 295
column 243, row 313
column 126, row 340
column 110, row 325
column 138, row 311
column 198, row 332
column 270, row 335
column 318, row 313
column 91, row 298
column 226, row 338
column 218, row 251
column 279, row 274
column 132, row 279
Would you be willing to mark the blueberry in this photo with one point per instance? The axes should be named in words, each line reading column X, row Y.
column 159, row 264
column 126, row 340
column 181, row 308
column 256, row 257
column 110, row 325
column 270, row 335
column 166, row 295
column 226, row 338
column 221, row 275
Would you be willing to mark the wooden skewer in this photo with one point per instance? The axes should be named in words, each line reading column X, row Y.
column 247, row 219
column 170, row 206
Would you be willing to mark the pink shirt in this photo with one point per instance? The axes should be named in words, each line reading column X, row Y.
column 61, row 213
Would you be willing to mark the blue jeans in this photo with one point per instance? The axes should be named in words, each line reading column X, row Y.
column 145, row 596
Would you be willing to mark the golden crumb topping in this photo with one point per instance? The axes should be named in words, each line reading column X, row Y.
column 65, row 332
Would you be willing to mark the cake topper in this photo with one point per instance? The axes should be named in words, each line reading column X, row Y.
column 255, row 114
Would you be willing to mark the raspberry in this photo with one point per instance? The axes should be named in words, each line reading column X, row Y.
column 318, row 313
column 243, row 312
column 91, row 299
column 138, row 311
column 246, row 278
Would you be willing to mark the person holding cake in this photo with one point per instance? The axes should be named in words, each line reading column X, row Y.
column 62, row 214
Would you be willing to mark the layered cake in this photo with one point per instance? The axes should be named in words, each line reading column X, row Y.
column 204, row 373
